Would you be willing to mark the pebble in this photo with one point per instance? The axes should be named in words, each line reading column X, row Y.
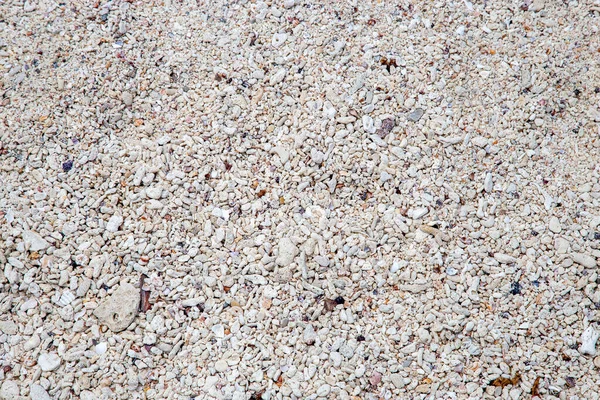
column 488, row 184
column 38, row 392
column 221, row 366
column 309, row 336
column 554, row 225
column 127, row 98
column 34, row 241
column 324, row 390
column 33, row 342
column 397, row 380
column 504, row 258
column 9, row 327
column 287, row 252
column 9, row 390
column 49, row 361
column 588, row 341
column 416, row 115
column 120, row 309
column 114, row 223
column 584, row 259
column 279, row 39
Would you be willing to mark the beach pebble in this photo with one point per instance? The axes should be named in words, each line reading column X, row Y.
column 588, row 341
column 309, row 336
column 554, row 225
column 49, row 361
column 287, row 252
column 38, row 392
column 9, row 327
column 584, row 259
column 119, row 310
column 9, row 390
column 114, row 223
column 415, row 115
column 34, row 241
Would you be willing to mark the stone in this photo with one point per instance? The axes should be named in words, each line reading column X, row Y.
column 37, row 392
column 127, row 98
column 154, row 192
column 323, row 390
column 221, row 366
column 287, row 252
column 397, row 380
column 278, row 39
column 588, row 341
column 34, row 241
column 309, row 336
column 114, row 223
column 504, row 258
column 488, row 183
column 119, row 310
column 561, row 245
column 554, row 225
column 278, row 76
column 9, row 327
column 32, row 343
column 584, row 259
column 49, row 361
column 9, row 390
column 415, row 115
column 336, row 359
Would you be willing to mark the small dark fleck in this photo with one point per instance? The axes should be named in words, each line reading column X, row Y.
column 576, row 92
column 515, row 288
column 67, row 166
column 534, row 233
column 360, row 338
column 570, row 381
column 228, row 166
column 597, row 235
column 536, row 283
column 340, row 300
column 73, row 263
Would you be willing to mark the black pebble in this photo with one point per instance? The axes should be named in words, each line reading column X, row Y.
column 360, row 338
column 67, row 166
column 515, row 288
column 339, row 300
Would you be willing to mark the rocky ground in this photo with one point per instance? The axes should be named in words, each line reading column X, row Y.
column 299, row 199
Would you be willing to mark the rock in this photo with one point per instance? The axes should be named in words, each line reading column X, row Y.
column 32, row 343
column 323, row 390
column 488, row 183
column 346, row 350
column 278, row 76
column 119, row 310
column 279, row 39
column 154, row 193
column 289, row 3
column 9, row 327
column 336, row 358
column 322, row 261
column 538, row 5
column 114, row 223
column 584, row 259
column 9, row 390
column 561, row 245
column 588, row 341
column 554, row 225
column 504, row 258
column 34, row 241
column 221, row 366
column 375, row 378
column 101, row 348
column 309, row 336
column 127, row 98
column 597, row 362
column 37, row 392
column 416, row 115
column 397, row 380
column 287, row 252
column 49, row 361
